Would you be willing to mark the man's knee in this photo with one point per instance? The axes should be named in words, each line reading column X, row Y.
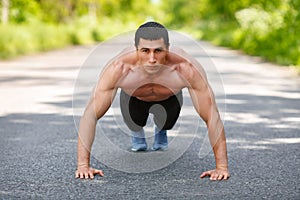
column 134, row 126
column 166, row 125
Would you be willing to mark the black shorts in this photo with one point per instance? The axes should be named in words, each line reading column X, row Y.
column 135, row 112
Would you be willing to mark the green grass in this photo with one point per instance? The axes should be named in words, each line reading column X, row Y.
column 25, row 39
column 281, row 46
column 20, row 39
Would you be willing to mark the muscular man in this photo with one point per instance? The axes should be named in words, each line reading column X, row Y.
column 152, row 74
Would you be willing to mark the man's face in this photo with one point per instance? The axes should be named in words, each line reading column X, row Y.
column 152, row 54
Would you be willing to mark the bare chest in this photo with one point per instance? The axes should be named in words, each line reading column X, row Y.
column 155, row 88
column 153, row 92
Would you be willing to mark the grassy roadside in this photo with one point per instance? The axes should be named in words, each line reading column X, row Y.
column 35, row 37
column 280, row 45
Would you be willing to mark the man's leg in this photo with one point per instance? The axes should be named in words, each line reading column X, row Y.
column 160, row 139
column 135, row 114
column 138, row 141
column 165, row 117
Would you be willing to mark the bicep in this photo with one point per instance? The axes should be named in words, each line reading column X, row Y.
column 106, row 88
column 104, row 91
column 200, row 90
column 203, row 101
column 101, row 101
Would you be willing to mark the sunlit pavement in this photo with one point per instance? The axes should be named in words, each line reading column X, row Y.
column 38, row 134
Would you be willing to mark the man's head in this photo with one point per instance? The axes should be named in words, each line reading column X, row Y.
column 152, row 43
column 151, row 31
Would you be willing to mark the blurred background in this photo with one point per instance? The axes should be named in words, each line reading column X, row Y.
column 266, row 28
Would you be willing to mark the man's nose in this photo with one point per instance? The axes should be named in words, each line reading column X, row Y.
column 152, row 58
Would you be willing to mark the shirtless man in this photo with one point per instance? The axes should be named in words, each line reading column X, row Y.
column 152, row 74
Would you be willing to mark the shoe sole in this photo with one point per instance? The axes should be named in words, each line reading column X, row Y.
column 136, row 150
column 160, row 149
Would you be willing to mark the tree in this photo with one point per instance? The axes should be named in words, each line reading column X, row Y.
column 5, row 11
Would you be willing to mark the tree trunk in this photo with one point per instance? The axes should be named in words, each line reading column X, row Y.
column 5, row 11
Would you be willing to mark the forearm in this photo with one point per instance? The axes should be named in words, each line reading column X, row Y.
column 220, row 151
column 83, row 155
column 86, row 136
column 218, row 143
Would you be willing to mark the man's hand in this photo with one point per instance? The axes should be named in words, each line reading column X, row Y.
column 87, row 172
column 217, row 174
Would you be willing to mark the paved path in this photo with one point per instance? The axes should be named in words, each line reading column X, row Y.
column 38, row 135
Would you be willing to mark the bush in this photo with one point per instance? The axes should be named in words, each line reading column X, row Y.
column 35, row 36
column 273, row 35
column 29, row 38
column 269, row 29
column 15, row 41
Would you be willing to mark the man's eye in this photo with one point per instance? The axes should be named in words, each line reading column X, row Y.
column 158, row 50
column 145, row 50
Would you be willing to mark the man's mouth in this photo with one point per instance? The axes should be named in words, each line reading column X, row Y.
column 153, row 66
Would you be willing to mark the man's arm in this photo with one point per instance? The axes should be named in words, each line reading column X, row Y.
column 86, row 133
column 205, row 105
column 97, row 106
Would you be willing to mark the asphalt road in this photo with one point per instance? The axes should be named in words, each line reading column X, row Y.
column 260, row 106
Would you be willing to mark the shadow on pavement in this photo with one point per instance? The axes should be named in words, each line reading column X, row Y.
column 39, row 158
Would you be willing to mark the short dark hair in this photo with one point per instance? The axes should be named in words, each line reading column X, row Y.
column 151, row 31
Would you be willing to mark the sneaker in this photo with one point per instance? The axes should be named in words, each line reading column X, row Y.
column 139, row 141
column 160, row 140
column 138, row 144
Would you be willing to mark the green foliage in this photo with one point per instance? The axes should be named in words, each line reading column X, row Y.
column 18, row 39
column 23, row 10
column 21, row 39
column 267, row 28
column 178, row 13
column 271, row 34
column 40, row 25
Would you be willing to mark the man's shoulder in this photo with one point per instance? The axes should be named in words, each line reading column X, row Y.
column 178, row 54
column 175, row 59
column 128, row 55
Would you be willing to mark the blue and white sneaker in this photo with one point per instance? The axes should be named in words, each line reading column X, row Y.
column 139, row 141
column 160, row 140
